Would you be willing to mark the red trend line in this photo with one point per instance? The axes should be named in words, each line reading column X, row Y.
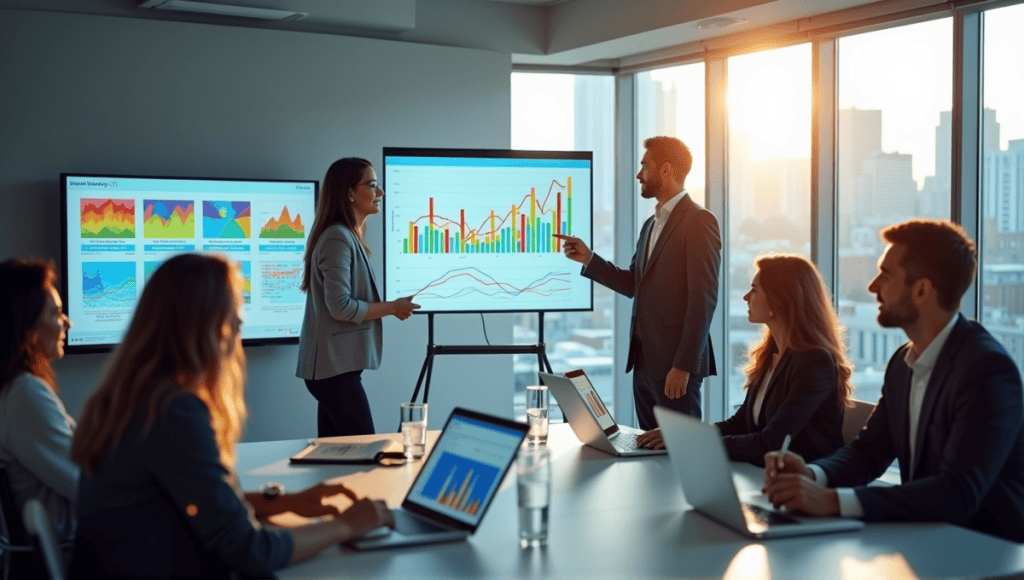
column 526, row 197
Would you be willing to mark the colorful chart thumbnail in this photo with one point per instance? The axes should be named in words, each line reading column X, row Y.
column 280, row 282
column 108, row 218
column 164, row 218
column 227, row 219
column 108, row 285
column 282, row 226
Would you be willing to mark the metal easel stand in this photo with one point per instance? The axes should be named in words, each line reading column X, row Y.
column 436, row 349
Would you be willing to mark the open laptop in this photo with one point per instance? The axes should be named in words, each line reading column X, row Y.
column 458, row 480
column 702, row 465
column 589, row 417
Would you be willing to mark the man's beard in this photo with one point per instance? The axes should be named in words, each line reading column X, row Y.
column 649, row 189
column 900, row 314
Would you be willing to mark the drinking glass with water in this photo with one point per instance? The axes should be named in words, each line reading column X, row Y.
column 537, row 414
column 414, row 430
column 534, row 479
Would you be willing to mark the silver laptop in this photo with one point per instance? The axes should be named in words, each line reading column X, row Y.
column 702, row 465
column 589, row 417
column 460, row 477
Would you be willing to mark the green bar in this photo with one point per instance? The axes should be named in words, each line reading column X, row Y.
column 405, row 246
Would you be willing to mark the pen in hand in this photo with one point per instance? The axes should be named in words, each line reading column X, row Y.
column 781, row 462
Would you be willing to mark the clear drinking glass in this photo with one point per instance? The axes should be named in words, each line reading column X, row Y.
column 537, row 414
column 414, row 430
column 534, row 478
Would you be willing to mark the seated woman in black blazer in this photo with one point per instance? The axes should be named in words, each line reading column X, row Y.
column 798, row 378
column 156, row 444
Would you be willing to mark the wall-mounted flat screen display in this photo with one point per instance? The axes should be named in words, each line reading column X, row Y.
column 469, row 230
column 118, row 229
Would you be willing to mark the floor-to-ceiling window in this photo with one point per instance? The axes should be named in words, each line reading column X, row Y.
column 670, row 102
column 571, row 112
column 894, row 157
column 769, row 187
column 1002, row 180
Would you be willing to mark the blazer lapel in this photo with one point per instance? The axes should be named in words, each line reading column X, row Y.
column 674, row 220
column 936, row 385
column 780, row 370
column 641, row 247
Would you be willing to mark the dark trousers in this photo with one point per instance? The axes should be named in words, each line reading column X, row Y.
column 343, row 408
column 649, row 391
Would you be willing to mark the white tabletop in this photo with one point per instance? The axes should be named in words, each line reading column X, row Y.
column 626, row 518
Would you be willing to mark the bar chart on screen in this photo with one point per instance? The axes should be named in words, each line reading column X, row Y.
column 468, row 234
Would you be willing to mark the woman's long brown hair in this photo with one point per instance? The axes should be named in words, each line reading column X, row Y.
column 23, row 293
column 797, row 295
column 334, row 207
column 184, row 338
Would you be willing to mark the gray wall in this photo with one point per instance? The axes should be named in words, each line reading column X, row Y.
column 99, row 94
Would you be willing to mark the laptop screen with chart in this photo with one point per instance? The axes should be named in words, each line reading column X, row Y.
column 468, row 230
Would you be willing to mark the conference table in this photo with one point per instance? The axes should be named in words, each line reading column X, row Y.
column 623, row 518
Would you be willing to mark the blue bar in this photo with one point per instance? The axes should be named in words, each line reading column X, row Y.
column 270, row 248
column 169, row 248
column 231, row 247
column 108, row 248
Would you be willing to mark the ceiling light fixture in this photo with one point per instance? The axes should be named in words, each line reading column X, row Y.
column 223, row 9
column 719, row 22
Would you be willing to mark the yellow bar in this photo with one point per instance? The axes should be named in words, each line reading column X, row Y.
column 533, row 204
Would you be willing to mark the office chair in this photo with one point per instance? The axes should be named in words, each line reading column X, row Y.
column 854, row 419
column 40, row 529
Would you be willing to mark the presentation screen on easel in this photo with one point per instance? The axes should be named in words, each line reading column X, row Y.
column 470, row 230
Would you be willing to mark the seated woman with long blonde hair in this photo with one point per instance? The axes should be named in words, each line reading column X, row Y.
column 156, row 445
column 798, row 377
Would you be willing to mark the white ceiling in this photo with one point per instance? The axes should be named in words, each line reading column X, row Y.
column 535, row 32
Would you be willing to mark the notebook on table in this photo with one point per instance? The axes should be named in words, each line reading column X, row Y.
column 702, row 465
column 589, row 417
column 459, row 478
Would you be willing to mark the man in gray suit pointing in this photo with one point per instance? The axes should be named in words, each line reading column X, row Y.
column 673, row 279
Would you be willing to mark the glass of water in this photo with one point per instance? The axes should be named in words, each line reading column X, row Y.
column 537, row 414
column 414, row 430
column 534, row 479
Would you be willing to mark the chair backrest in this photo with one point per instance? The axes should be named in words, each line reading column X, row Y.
column 854, row 419
column 40, row 529
column 12, row 531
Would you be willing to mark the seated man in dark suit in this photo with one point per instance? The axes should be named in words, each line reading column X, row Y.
column 951, row 411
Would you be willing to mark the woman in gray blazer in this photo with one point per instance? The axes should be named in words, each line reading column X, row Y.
column 342, row 333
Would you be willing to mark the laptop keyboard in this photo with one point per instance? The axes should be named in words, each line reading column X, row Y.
column 410, row 525
column 758, row 515
column 626, row 440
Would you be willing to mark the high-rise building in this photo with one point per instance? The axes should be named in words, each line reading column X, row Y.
column 889, row 186
column 860, row 137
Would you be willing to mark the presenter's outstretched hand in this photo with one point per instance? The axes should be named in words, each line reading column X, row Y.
column 403, row 307
column 575, row 249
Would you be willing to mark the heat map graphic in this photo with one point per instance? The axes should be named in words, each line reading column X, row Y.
column 282, row 226
column 108, row 285
column 108, row 218
column 164, row 218
column 226, row 219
